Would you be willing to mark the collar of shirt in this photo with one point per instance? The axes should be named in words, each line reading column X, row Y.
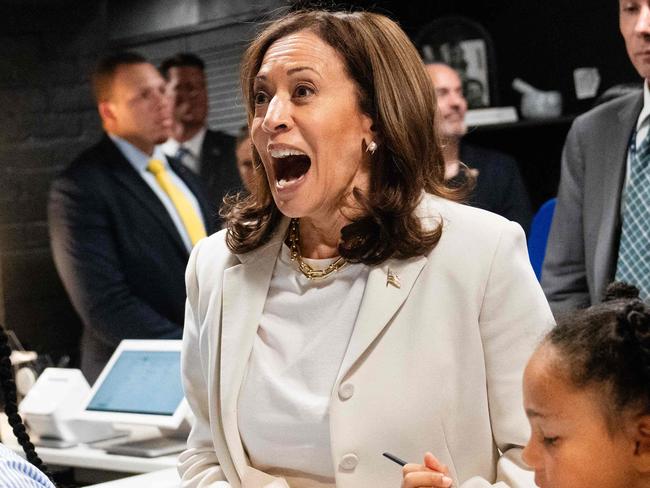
column 643, row 121
column 642, row 127
column 193, row 145
column 137, row 158
column 140, row 161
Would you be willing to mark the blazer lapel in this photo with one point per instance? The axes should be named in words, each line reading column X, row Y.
column 615, row 160
column 388, row 286
column 129, row 178
column 245, row 287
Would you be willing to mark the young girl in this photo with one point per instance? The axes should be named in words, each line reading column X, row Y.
column 587, row 397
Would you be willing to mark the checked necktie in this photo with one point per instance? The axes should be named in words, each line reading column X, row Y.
column 181, row 153
column 190, row 218
column 633, row 265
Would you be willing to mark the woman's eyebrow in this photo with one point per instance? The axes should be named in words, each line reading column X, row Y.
column 290, row 71
column 302, row 68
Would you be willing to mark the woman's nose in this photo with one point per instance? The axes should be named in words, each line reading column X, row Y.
column 278, row 116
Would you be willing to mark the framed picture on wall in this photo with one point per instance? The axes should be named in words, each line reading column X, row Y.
column 469, row 59
column 467, row 47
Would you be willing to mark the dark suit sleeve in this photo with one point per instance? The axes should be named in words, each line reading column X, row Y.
column 564, row 277
column 88, row 261
column 515, row 203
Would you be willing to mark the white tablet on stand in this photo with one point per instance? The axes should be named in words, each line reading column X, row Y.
column 141, row 385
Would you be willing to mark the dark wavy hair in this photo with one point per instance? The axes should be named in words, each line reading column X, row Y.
column 395, row 91
column 608, row 345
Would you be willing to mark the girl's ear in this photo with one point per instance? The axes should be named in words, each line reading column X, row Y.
column 642, row 439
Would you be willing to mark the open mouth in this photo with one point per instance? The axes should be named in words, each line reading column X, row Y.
column 290, row 166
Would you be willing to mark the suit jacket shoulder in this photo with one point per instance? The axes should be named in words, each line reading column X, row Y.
column 97, row 158
column 219, row 173
column 603, row 114
column 602, row 125
column 499, row 186
column 583, row 242
column 216, row 138
column 472, row 230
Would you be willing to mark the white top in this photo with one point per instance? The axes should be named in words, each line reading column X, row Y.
column 283, row 410
column 140, row 161
column 193, row 158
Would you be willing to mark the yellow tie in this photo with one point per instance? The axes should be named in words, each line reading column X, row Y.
column 191, row 220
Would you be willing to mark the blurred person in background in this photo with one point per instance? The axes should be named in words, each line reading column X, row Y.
column 499, row 186
column 600, row 227
column 123, row 218
column 208, row 153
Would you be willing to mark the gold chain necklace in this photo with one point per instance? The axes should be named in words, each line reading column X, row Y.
column 305, row 268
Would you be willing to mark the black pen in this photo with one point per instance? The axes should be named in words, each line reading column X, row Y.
column 394, row 458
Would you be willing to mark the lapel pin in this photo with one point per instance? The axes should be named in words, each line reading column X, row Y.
column 393, row 279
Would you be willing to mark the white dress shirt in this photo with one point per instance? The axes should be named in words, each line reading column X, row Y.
column 193, row 146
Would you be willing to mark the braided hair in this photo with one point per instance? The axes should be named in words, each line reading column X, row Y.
column 608, row 345
column 11, row 407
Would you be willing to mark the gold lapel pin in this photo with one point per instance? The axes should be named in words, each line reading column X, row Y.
column 393, row 279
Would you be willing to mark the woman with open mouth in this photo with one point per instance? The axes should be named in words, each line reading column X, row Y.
column 352, row 306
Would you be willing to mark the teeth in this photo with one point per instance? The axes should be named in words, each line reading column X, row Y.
column 283, row 153
column 282, row 182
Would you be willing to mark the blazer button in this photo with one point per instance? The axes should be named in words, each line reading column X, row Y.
column 349, row 462
column 346, row 391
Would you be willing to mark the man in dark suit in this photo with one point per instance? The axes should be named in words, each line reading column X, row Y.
column 600, row 227
column 208, row 153
column 499, row 187
column 123, row 219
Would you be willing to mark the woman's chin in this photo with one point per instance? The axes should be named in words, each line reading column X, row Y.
column 291, row 209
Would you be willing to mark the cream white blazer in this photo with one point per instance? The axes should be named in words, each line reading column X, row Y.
column 434, row 364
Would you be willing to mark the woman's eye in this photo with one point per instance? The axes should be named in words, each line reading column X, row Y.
column 260, row 98
column 550, row 441
column 303, row 91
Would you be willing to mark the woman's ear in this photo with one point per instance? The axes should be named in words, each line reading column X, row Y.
column 369, row 129
column 641, row 435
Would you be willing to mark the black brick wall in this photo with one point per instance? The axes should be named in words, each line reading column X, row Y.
column 47, row 116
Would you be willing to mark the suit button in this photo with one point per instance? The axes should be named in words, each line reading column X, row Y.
column 349, row 462
column 346, row 391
